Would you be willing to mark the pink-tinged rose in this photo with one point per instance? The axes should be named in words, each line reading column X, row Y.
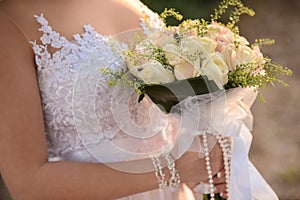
column 257, row 53
column 229, row 55
column 184, row 70
column 221, row 34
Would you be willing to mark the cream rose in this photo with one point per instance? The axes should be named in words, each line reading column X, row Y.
column 244, row 55
column 152, row 72
column 213, row 72
column 229, row 55
column 184, row 70
column 207, row 43
column 179, row 56
column 218, row 59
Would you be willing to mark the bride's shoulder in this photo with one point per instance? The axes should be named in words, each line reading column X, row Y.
column 13, row 42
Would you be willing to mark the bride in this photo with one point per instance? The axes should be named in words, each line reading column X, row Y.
column 41, row 154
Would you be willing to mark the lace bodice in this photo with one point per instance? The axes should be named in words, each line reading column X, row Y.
column 57, row 75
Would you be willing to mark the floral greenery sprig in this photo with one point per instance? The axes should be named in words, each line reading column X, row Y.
column 250, row 75
column 170, row 13
column 234, row 17
column 121, row 78
column 262, row 42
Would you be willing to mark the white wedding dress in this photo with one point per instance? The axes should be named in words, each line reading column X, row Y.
column 58, row 75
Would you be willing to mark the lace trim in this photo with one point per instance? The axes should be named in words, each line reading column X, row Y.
column 50, row 37
column 57, row 75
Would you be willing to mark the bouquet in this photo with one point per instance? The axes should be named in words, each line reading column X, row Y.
column 199, row 57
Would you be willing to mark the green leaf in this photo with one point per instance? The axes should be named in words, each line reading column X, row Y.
column 165, row 96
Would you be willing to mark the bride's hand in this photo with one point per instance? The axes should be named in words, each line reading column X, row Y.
column 192, row 169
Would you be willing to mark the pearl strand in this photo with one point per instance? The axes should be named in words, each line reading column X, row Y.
column 226, row 149
column 208, row 167
column 174, row 181
column 160, row 175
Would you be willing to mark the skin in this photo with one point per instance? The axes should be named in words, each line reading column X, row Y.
column 23, row 151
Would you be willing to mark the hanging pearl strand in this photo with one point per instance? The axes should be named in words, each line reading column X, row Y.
column 226, row 150
column 225, row 144
column 208, row 167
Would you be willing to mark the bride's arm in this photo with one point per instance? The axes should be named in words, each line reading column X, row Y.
column 23, row 151
column 23, row 154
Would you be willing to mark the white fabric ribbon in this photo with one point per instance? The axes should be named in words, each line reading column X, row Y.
column 246, row 183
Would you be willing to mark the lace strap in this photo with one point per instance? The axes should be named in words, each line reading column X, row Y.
column 151, row 19
column 50, row 36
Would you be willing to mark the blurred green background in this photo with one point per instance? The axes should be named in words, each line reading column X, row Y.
column 276, row 144
column 275, row 149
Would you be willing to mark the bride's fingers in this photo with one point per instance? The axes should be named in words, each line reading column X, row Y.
column 220, row 188
column 224, row 195
column 219, row 177
column 217, row 180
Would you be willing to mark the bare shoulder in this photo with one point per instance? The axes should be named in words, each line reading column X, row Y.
column 129, row 13
column 12, row 41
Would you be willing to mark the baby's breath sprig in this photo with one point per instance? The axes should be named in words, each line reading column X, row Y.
column 262, row 42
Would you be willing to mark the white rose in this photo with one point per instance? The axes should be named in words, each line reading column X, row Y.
column 213, row 30
column 218, row 59
column 189, row 46
column 215, row 69
column 244, row 55
column 153, row 72
column 182, row 68
column 193, row 51
column 184, row 58
column 208, row 44
column 213, row 72
column 171, row 50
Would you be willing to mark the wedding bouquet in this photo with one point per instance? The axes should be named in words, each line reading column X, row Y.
column 199, row 57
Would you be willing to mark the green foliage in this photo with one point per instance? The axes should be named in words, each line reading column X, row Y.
column 197, row 25
column 234, row 17
column 257, row 74
column 150, row 52
column 121, row 78
column 262, row 42
column 170, row 13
